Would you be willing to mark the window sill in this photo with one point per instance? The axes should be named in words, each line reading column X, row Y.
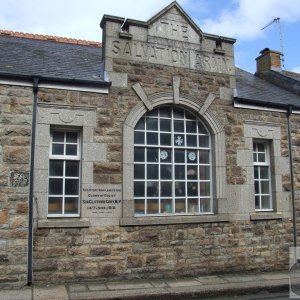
column 63, row 223
column 140, row 221
column 265, row 216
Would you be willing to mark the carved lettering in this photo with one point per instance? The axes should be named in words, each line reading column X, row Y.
column 164, row 25
column 116, row 47
column 174, row 29
column 172, row 56
column 138, row 50
column 160, row 52
column 127, row 49
column 213, row 63
column 184, row 30
column 184, row 58
column 102, row 201
column 149, row 52
column 206, row 62
column 152, row 52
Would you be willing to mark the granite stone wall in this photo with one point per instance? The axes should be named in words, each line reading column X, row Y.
column 240, row 244
column 160, row 251
column 101, row 252
column 15, row 137
column 167, row 60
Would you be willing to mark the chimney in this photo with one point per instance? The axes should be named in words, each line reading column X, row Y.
column 268, row 60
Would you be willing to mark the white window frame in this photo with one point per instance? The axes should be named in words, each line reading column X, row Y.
column 172, row 147
column 259, row 165
column 65, row 158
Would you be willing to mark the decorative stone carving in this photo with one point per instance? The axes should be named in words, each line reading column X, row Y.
column 19, row 179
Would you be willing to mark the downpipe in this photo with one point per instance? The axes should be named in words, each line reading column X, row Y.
column 31, row 181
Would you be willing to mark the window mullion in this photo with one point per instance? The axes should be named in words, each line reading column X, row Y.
column 64, row 187
column 145, row 178
column 159, row 164
column 198, row 175
column 198, row 167
column 173, row 162
column 186, row 162
column 259, row 187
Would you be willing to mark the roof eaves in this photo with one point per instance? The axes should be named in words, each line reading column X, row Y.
column 56, row 80
column 270, row 104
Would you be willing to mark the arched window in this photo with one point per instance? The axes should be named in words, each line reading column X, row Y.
column 172, row 164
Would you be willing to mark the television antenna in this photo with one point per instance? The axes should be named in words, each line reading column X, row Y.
column 277, row 21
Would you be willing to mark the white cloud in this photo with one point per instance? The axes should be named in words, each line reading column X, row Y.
column 247, row 17
column 71, row 18
column 242, row 19
column 296, row 69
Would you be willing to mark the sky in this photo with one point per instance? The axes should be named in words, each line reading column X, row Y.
column 240, row 19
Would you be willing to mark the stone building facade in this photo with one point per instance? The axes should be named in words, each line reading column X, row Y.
column 151, row 156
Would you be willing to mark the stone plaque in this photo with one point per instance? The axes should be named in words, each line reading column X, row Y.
column 18, row 179
column 101, row 200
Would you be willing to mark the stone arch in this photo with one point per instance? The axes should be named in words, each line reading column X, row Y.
column 218, row 142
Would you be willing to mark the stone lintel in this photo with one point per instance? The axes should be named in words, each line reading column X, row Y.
column 209, row 100
column 142, row 95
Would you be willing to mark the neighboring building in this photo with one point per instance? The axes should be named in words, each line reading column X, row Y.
column 151, row 156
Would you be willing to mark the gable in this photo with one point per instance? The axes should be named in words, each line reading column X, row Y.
column 169, row 38
column 174, row 24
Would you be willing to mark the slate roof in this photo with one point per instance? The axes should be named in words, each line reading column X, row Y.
column 292, row 75
column 33, row 57
column 250, row 88
column 30, row 57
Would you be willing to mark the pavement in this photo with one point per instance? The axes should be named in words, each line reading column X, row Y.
column 203, row 287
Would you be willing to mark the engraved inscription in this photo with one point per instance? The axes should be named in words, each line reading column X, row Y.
column 101, row 200
column 171, row 55
column 174, row 29
column 152, row 53
column 214, row 63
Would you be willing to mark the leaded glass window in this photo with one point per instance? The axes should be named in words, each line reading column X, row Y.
column 172, row 164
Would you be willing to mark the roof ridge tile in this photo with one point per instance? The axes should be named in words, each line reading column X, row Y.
column 49, row 38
